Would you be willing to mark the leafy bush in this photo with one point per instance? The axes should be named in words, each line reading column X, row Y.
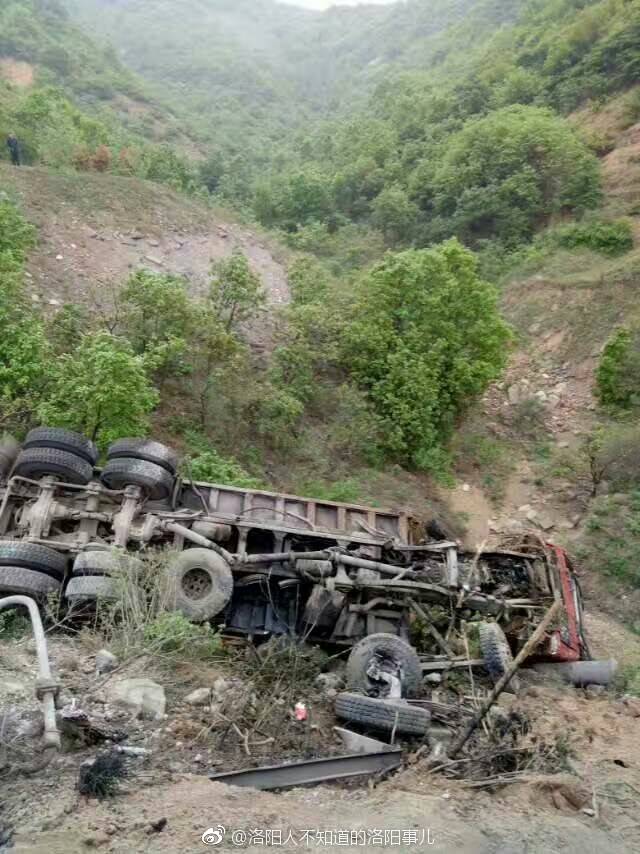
column 17, row 236
column 101, row 389
column 607, row 238
column 203, row 462
column 425, row 338
column 23, row 347
column 611, row 544
column 614, row 456
column 171, row 632
column 618, row 374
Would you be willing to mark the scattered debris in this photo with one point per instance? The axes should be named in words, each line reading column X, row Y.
column 99, row 778
column 314, row 770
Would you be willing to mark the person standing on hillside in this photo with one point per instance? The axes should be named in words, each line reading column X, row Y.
column 14, row 149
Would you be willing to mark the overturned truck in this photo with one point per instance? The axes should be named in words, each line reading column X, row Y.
column 261, row 564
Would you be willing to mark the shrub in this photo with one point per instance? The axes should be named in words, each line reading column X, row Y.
column 607, row 238
column 614, row 456
column 618, row 374
column 203, row 462
column 17, row 235
column 172, row 632
column 611, row 544
column 632, row 107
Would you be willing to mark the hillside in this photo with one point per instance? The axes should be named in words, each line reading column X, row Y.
column 73, row 104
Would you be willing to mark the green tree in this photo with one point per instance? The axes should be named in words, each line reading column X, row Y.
column 102, row 390
column 157, row 317
column 506, row 173
column 395, row 215
column 236, row 291
column 424, row 340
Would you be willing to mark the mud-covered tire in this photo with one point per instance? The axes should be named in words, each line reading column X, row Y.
column 62, row 440
column 495, row 648
column 387, row 648
column 384, row 715
column 18, row 581
column 31, row 556
column 35, row 463
column 90, row 588
column 156, row 482
column 200, row 584
column 145, row 450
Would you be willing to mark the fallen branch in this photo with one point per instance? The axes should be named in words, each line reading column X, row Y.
column 504, row 680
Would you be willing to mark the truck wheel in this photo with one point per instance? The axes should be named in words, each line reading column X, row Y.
column 35, row 463
column 384, row 715
column 155, row 481
column 9, row 450
column 146, row 450
column 99, row 562
column 33, row 557
column 62, row 440
column 200, row 584
column 89, row 588
column 18, row 581
column 495, row 648
column 389, row 653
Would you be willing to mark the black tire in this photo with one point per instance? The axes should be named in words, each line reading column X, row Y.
column 155, row 481
column 90, row 588
column 495, row 648
column 384, row 715
column 384, row 649
column 18, row 581
column 62, row 440
column 34, row 557
column 40, row 462
column 200, row 584
column 101, row 562
column 145, row 450
column 9, row 450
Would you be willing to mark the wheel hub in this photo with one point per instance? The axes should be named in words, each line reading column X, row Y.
column 196, row 583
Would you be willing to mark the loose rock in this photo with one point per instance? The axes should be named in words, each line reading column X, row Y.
column 106, row 662
column 144, row 697
column 199, row 697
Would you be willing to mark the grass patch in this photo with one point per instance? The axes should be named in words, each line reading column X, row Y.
column 13, row 625
column 491, row 459
column 140, row 620
column 611, row 544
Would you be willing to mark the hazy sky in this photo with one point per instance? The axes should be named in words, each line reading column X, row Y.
column 324, row 4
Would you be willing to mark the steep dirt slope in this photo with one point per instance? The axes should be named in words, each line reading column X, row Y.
column 94, row 230
column 563, row 309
